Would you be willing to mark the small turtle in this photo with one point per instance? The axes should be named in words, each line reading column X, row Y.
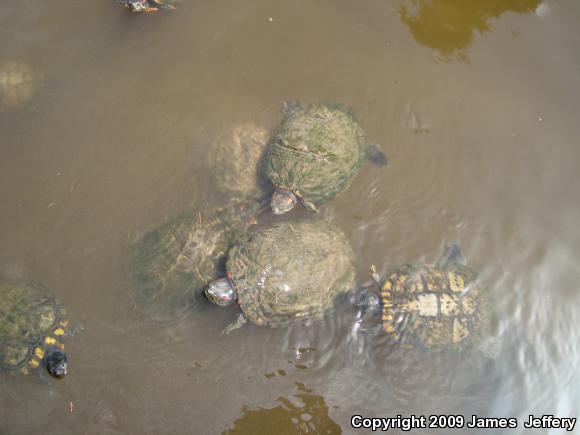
column 288, row 272
column 315, row 155
column 432, row 307
column 147, row 5
column 173, row 263
column 32, row 325
column 18, row 84
column 234, row 160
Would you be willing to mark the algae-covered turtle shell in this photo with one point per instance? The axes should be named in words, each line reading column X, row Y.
column 18, row 84
column 288, row 272
column 315, row 155
column 32, row 326
column 173, row 263
column 234, row 161
column 434, row 307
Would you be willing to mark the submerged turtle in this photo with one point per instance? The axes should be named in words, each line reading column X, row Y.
column 173, row 263
column 234, row 160
column 18, row 84
column 148, row 5
column 32, row 325
column 432, row 307
column 288, row 272
column 315, row 155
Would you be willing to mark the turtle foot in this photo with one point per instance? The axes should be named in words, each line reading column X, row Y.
column 236, row 324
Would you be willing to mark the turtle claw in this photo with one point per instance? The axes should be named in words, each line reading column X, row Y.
column 236, row 324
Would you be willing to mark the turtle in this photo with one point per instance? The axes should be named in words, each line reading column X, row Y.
column 18, row 84
column 234, row 159
column 147, row 5
column 32, row 326
column 172, row 264
column 315, row 154
column 290, row 271
column 430, row 307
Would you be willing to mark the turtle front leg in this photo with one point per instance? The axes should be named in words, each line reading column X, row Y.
column 238, row 323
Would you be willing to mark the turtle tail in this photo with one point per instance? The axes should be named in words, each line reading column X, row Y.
column 376, row 155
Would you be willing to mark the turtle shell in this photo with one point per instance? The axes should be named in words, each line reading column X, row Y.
column 32, row 323
column 235, row 160
column 173, row 263
column 291, row 271
column 316, row 153
column 434, row 308
column 17, row 84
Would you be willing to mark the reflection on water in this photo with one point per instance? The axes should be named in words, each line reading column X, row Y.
column 302, row 413
column 448, row 26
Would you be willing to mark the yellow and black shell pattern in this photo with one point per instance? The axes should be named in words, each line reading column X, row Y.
column 434, row 308
column 32, row 323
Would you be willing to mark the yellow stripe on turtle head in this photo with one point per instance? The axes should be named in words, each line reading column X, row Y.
column 23, row 371
column 50, row 340
column 63, row 323
column 39, row 352
column 33, row 363
column 58, row 331
column 387, row 286
column 61, row 346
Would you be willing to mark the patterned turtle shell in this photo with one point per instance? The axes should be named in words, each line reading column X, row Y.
column 291, row 271
column 316, row 153
column 32, row 323
column 173, row 263
column 434, row 308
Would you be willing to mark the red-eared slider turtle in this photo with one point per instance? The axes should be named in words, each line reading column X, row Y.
column 432, row 307
column 315, row 155
column 234, row 159
column 32, row 325
column 18, row 83
column 288, row 272
column 148, row 5
column 173, row 263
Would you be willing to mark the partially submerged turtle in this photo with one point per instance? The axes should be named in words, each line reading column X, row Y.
column 432, row 307
column 288, row 272
column 315, row 155
column 148, row 5
column 173, row 263
column 234, row 159
column 18, row 83
column 32, row 325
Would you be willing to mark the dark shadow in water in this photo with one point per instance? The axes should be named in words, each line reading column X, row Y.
column 304, row 413
column 448, row 26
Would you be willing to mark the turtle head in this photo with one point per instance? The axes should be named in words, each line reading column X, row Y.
column 221, row 292
column 57, row 363
column 282, row 201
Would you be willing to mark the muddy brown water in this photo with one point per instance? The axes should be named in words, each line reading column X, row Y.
column 476, row 104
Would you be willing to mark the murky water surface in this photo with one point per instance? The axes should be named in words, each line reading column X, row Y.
column 476, row 104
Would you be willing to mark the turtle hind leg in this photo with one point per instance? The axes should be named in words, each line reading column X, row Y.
column 236, row 324
column 376, row 155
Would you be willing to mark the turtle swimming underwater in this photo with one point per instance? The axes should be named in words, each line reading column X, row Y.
column 288, row 272
column 18, row 83
column 173, row 263
column 432, row 307
column 32, row 325
column 147, row 5
column 315, row 155
column 234, row 159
